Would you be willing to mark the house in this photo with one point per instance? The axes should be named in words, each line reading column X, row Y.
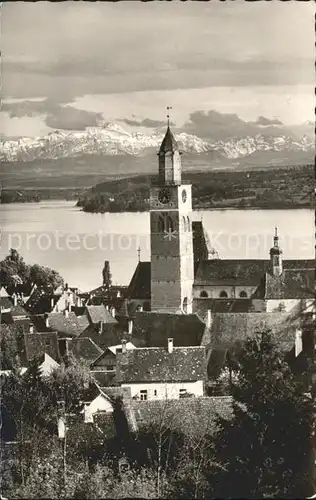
column 96, row 402
column 66, row 324
column 162, row 373
column 103, row 328
column 80, row 348
column 104, row 367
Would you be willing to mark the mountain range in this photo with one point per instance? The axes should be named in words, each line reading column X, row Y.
column 268, row 144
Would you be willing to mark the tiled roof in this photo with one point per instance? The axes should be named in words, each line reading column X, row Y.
column 37, row 344
column 67, row 325
column 242, row 272
column 17, row 311
column 139, row 287
column 201, row 306
column 84, row 347
column 230, row 328
column 5, row 303
column 292, row 284
column 187, row 415
column 6, row 318
column 111, row 292
column 41, row 302
column 99, row 313
column 158, row 365
column 155, row 328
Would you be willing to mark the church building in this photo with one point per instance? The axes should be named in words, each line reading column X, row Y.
column 186, row 276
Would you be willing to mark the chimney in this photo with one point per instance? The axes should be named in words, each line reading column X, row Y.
column 298, row 342
column 66, row 287
column 52, row 303
column 31, row 328
column 69, row 306
column 107, row 307
column 130, row 326
column 124, row 348
column 15, row 299
column 66, row 313
column 209, row 318
column 170, row 345
column 47, row 322
column 140, row 308
column 100, row 330
column 113, row 312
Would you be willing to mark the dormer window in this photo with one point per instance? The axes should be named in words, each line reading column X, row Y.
column 204, row 294
column 243, row 294
column 223, row 294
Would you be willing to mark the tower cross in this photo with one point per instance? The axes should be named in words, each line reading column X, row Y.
column 168, row 114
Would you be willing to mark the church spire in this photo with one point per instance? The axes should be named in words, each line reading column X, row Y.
column 276, row 255
column 169, row 157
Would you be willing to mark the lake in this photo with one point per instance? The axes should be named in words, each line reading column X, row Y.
column 59, row 235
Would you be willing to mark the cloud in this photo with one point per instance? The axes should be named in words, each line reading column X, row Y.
column 146, row 122
column 261, row 120
column 56, row 115
column 221, row 126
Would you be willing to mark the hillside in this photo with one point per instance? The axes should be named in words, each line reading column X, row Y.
column 268, row 188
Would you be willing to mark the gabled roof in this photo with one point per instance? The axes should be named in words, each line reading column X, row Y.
column 155, row 328
column 37, row 344
column 41, row 302
column 85, row 348
column 64, row 325
column 5, row 302
column 158, row 365
column 100, row 313
column 241, row 272
column 18, row 311
column 139, row 287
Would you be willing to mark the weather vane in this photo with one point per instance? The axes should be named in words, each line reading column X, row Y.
column 168, row 115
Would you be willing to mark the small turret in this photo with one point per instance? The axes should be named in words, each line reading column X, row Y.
column 276, row 256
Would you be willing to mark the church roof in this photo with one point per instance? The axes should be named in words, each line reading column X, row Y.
column 229, row 329
column 139, row 287
column 202, row 247
column 241, row 271
column 156, row 364
column 169, row 143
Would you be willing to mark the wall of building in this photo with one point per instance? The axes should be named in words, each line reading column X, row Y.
column 232, row 291
column 100, row 403
column 285, row 305
column 160, row 390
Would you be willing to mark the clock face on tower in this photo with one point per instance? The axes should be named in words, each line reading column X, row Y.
column 164, row 196
column 184, row 196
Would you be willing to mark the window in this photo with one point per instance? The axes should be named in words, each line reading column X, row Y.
column 143, row 395
column 182, row 393
column 185, row 305
column 223, row 295
column 188, row 224
column 110, row 368
column 243, row 294
column 204, row 294
column 155, row 392
column 169, row 224
column 184, row 222
column 161, row 224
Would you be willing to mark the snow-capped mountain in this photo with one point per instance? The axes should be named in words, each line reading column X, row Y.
column 113, row 139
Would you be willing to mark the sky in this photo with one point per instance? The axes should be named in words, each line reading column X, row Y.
column 72, row 65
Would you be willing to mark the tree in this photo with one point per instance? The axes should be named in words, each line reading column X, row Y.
column 45, row 277
column 106, row 275
column 266, row 449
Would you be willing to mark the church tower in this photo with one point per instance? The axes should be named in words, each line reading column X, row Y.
column 276, row 256
column 172, row 262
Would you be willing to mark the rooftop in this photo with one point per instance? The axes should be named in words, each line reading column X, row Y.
column 157, row 364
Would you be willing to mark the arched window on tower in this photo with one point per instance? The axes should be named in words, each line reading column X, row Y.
column 169, row 227
column 243, row 294
column 223, row 294
column 203, row 294
column 184, row 223
column 161, row 224
column 188, row 224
